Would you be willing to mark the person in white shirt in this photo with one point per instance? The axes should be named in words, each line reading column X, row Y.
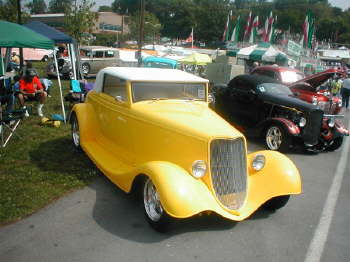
column 345, row 92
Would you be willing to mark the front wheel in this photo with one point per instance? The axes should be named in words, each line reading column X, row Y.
column 335, row 144
column 154, row 212
column 276, row 202
column 276, row 138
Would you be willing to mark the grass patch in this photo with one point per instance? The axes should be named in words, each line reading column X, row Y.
column 40, row 164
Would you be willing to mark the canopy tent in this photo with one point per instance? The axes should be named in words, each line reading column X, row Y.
column 264, row 52
column 15, row 35
column 196, row 59
column 50, row 32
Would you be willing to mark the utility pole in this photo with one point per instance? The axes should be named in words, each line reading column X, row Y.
column 141, row 32
column 19, row 21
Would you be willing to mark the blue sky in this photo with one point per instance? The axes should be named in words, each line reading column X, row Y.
column 339, row 3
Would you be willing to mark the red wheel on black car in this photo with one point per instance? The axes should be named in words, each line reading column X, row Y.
column 335, row 144
column 276, row 138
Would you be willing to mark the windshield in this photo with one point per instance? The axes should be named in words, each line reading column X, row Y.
column 160, row 90
column 274, row 89
column 291, row 76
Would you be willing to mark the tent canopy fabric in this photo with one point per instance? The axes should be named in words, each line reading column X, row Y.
column 262, row 52
column 196, row 59
column 49, row 32
column 15, row 35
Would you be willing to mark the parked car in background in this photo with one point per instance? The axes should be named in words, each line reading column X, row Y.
column 261, row 106
column 151, row 129
column 160, row 62
column 93, row 59
column 284, row 75
column 35, row 54
column 308, row 88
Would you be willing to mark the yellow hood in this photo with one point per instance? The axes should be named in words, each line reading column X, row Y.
column 191, row 117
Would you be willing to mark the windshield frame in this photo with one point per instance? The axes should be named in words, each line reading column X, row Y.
column 135, row 100
column 284, row 74
column 269, row 91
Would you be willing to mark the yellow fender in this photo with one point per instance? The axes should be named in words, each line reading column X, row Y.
column 87, row 122
column 183, row 196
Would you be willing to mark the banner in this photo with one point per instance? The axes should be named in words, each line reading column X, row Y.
column 293, row 48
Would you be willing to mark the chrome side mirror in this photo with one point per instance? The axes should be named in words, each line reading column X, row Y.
column 118, row 99
column 211, row 99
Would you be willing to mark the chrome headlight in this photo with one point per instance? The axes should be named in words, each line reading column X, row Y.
column 340, row 103
column 258, row 162
column 199, row 168
column 302, row 122
column 331, row 122
column 314, row 100
column 322, row 105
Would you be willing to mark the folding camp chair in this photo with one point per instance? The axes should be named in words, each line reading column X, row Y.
column 8, row 124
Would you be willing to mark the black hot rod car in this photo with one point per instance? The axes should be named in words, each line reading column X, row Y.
column 261, row 106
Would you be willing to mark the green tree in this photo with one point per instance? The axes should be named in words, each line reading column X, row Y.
column 37, row 7
column 8, row 11
column 79, row 19
column 105, row 8
column 152, row 26
column 125, row 6
column 58, row 6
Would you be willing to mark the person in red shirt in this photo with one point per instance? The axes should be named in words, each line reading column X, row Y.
column 30, row 88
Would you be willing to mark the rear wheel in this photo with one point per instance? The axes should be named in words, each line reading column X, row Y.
column 276, row 202
column 154, row 212
column 75, row 131
column 45, row 58
column 335, row 144
column 276, row 138
column 85, row 68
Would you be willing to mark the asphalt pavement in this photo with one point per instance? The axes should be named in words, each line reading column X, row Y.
column 101, row 223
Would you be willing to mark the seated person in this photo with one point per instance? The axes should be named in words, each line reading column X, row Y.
column 6, row 96
column 30, row 88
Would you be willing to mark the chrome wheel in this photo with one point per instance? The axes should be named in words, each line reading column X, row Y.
column 274, row 138
column 75, row 132
column 153, row 207
column 85, row 68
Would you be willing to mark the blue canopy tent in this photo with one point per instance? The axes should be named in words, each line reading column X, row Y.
column 57, row 37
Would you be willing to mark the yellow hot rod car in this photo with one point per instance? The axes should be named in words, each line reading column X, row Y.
column 153, row 127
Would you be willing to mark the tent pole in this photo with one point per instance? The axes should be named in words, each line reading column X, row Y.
column 59, row 83
column 72, row 60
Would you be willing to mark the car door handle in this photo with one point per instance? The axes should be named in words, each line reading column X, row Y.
column 121, row 119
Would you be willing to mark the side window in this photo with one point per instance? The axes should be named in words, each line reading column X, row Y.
column 269, row 74
column 109, row 53
column 241, row 85
column 97, row 54
column 114, row 86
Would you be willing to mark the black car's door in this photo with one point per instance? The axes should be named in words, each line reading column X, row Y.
column 245, row 104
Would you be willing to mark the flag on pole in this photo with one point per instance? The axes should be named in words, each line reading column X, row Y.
column 248, row 26
column 189, row 39
column 272, row 33
column 311, row 31
column 235, row 32
column 265, row 30
column 225, row 36
column 254, row 31
column 308, row 30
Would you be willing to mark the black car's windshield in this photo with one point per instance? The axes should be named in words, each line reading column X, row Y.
column 164, row 90
column 273, row 89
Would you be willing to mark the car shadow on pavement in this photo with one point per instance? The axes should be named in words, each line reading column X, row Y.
column 121, row 214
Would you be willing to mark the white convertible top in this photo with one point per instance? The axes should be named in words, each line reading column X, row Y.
column 147, row 74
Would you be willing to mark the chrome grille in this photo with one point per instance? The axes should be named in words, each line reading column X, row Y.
column 228, row 168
